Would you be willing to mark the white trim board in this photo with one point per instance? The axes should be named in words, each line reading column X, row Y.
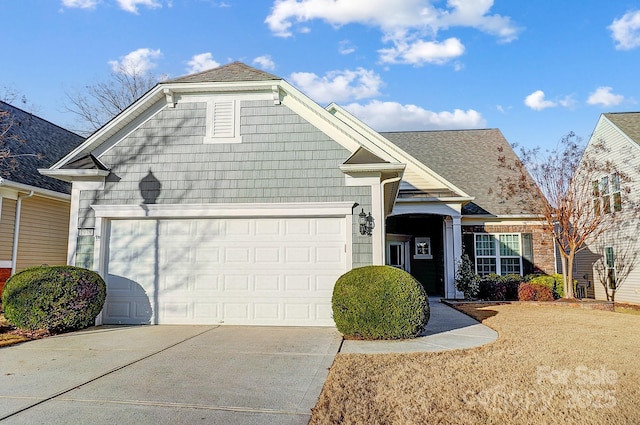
column 311, row 209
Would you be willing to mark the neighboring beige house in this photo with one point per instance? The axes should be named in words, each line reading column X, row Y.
column 614, row 260
column 34, row 209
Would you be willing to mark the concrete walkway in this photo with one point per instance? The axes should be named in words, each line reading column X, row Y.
column 448, row 329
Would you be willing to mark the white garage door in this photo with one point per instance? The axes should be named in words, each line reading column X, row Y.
column 267, row 271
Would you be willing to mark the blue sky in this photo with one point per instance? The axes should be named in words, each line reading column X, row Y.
column 534, row 69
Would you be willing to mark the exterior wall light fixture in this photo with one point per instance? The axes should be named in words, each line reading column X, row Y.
column 367, row 223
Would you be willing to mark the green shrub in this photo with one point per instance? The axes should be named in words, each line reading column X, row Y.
column 57, row 298
column 553, row 282
column 466, row 278
column 379, row 302
column 494, row 287
column 534, row 292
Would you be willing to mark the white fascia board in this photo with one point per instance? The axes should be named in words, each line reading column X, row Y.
column 221, row 87
column 512, row 220
column 302, row 209
column 19, row 187
column 386, row 145
column 372, row 168
column 450, row 209
column 461, row 199
column 71, row 174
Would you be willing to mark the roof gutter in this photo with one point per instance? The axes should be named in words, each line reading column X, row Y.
column 28, row 188
column 16, row 229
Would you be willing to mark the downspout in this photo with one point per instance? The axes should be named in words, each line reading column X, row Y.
column 16, row 230
column 383, row 220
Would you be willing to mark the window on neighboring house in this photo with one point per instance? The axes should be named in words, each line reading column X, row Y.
column 499, row 253
column 604, row 192
column 610, row 264
column 606, row 195
column 615, row 192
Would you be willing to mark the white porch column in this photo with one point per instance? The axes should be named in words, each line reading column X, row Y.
column 377, row 210
column 452, row 252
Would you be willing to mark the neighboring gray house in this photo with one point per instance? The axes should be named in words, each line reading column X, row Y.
column 613, row 260
column 34, row 209
column 229, row 196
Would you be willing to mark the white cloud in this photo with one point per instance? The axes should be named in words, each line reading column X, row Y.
column 390, row 116
column 265, row 62
column 345, row 47
column 626, row 31
column 421, row 52
column 405, row 23
column 537, row 101
column 139, row 61
column 391, row 16
column 603, row 96
column 338, row 86
column 567, row 102
column 132, row 5
column 201, row 62
column 80, row 4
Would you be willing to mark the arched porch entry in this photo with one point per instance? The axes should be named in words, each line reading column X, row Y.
column 415, row 243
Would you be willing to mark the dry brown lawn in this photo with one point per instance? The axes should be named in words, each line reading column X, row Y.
column 9, row 335
column 550, row 365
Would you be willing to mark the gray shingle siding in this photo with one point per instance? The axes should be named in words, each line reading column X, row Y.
column 282, row 158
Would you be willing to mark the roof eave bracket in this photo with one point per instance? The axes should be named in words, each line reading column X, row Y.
column 169, row 97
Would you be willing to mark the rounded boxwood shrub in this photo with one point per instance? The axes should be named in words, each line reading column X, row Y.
column 379, row 302
column 56, row 298
column 534, row 292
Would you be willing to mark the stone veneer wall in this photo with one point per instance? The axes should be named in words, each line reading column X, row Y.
column 543, row 245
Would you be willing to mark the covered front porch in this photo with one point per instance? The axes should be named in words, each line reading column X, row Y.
column 426, row 241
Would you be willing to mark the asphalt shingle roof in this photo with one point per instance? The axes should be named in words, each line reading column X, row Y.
column 41, row 137
column 233, row 72
column 466, row 158
column 627, row 122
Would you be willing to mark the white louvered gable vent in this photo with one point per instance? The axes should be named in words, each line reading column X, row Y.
column 223, row 121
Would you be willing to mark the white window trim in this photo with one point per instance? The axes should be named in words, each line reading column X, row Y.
column 210, row 137
column 421, row 240
column 497, row 256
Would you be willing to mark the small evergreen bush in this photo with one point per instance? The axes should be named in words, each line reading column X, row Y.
column 553, row 282
column 534, row 292
column 56, row 298
column 466, row 278
column 379, row 302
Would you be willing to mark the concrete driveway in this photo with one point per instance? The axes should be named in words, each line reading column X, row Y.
column 167, row 374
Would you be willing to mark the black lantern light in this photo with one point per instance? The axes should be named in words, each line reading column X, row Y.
column 366, row 223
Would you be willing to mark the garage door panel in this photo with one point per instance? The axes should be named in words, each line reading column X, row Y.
column 272, row 271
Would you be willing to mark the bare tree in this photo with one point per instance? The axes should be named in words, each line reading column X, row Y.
column 99, row 102
column 617, row 257
column 11, row 139
column 563, row 188
column 8, row 160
